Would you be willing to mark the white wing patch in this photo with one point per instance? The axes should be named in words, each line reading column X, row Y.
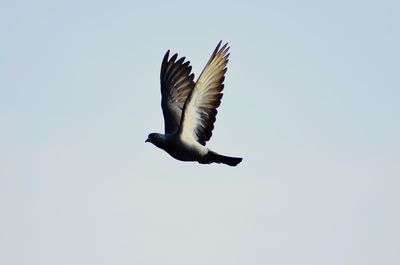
column 200, row 108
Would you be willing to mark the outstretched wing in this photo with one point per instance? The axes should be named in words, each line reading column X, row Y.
column 176, row 85
column 200, row 108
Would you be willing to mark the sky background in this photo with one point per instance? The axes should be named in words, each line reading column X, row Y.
column 311, row 103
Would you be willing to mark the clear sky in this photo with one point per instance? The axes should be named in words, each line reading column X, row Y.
column 311, row 102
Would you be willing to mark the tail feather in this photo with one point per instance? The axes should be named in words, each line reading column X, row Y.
column 217, row 158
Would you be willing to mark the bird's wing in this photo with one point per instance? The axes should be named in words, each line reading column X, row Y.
column 176, row 85
column 200, row 108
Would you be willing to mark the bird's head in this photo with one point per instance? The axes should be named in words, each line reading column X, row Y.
column 155, row 138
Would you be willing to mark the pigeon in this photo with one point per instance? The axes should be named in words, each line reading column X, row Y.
column 190, row 108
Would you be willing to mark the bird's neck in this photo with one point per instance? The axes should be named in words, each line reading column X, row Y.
column 163, row 141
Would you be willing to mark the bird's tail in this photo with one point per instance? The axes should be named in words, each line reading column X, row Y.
column 217, row 158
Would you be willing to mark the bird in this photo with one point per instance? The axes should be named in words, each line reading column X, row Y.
column 190, row 108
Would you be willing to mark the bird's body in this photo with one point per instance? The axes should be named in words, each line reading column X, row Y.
column 190, row 108
column 179, row 148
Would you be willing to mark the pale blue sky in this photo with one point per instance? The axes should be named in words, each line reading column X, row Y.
column 311, row 103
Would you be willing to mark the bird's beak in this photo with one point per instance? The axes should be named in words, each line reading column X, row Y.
column 147, row 140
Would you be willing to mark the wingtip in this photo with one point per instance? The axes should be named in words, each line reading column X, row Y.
column 174, row 57
column 224, row 48
column 218, row 45
column 166, row 56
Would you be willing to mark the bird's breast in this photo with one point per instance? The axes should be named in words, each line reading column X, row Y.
column 184, row 150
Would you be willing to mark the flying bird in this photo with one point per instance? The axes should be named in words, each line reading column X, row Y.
column 190, row 108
